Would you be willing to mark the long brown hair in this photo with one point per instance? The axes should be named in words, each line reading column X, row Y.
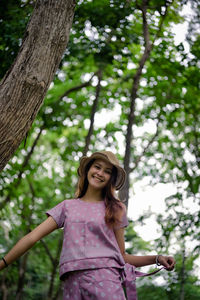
column 112, row 203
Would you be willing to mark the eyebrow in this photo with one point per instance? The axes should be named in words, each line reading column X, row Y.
column 107, row 168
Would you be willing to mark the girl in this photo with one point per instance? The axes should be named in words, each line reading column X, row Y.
column 93, row 259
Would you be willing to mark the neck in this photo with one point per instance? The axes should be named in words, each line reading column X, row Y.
column 92, row 195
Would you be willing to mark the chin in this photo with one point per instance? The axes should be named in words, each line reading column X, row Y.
column 96, row 185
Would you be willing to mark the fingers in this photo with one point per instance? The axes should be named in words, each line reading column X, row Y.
column 168, row 262
column 171, row 263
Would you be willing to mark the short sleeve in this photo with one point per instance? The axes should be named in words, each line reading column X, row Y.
column 124, row 220
column 58, row 214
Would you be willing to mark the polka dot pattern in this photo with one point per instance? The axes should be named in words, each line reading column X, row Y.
column 98, row 284
column 88, row 243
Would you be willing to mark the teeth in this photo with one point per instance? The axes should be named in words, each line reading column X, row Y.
column 98, row 179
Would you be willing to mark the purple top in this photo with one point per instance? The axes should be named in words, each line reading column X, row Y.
column 87, row 242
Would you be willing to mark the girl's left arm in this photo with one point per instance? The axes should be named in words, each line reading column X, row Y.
column 139, row 261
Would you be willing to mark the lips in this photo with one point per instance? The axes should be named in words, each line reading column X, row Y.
column 97, row 178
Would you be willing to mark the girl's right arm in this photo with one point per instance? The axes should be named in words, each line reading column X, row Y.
column 29, row 241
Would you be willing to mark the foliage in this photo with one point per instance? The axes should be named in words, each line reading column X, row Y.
column 14, row 15
column 107, row 36
column 170, row 287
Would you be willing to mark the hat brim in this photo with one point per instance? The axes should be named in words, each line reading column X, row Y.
column 121, row 174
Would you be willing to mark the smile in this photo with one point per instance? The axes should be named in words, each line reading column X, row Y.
column 99, row 179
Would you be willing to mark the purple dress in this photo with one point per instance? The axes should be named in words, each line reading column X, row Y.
column 91, row 263
column 88, row 243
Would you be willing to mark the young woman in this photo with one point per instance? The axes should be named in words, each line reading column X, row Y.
column 93, row 257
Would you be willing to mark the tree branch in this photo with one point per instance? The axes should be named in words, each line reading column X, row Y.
column 24, row 165
column 161, row 22
column 47, row 251
column 78, row 87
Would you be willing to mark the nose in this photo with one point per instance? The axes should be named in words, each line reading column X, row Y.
column 100, row 172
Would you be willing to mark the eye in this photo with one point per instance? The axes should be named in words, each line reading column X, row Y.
column 109, row 172
column 97, row 167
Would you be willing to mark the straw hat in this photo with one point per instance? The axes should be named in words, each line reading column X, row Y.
column 107, row 156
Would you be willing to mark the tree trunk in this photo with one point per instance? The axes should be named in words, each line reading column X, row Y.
column 24, row 86
column 59, row 293
column 124, row 192
column 22, row 271
column 55, row 264
column 24, row 259
column 4, row 288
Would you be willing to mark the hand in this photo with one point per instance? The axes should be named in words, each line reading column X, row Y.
column 167, row 261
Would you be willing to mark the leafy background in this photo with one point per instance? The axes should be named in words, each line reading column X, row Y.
column 96, row 79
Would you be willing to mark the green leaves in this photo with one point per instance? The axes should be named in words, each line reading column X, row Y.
column 108, row 36
column 14, row 16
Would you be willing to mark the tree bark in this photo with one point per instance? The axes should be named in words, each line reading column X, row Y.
column 24, row 86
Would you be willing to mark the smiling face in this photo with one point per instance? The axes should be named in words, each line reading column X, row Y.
column 99, row 174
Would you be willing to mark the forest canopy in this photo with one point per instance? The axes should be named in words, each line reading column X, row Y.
column 125, row 85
